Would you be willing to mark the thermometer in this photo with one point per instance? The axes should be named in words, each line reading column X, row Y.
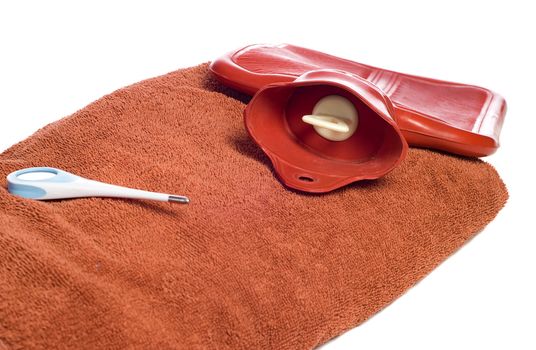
column 45, row 183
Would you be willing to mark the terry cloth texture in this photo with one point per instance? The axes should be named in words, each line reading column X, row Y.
column 248, row 264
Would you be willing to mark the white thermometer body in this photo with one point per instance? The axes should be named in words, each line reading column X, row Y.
column 60, row 184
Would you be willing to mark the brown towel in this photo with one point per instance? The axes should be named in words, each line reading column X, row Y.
column 247, row 265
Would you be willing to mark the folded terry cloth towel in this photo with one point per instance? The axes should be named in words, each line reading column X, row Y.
column 248, row 264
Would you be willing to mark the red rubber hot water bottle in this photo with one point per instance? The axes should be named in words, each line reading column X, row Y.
column 452, row 117
column 325, row 129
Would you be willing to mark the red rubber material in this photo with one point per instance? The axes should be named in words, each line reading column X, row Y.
column 451, row 117
column 306, row 161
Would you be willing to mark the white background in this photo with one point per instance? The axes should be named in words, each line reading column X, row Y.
column 56, row 57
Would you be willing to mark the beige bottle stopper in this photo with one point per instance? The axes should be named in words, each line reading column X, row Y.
column 334, row 118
